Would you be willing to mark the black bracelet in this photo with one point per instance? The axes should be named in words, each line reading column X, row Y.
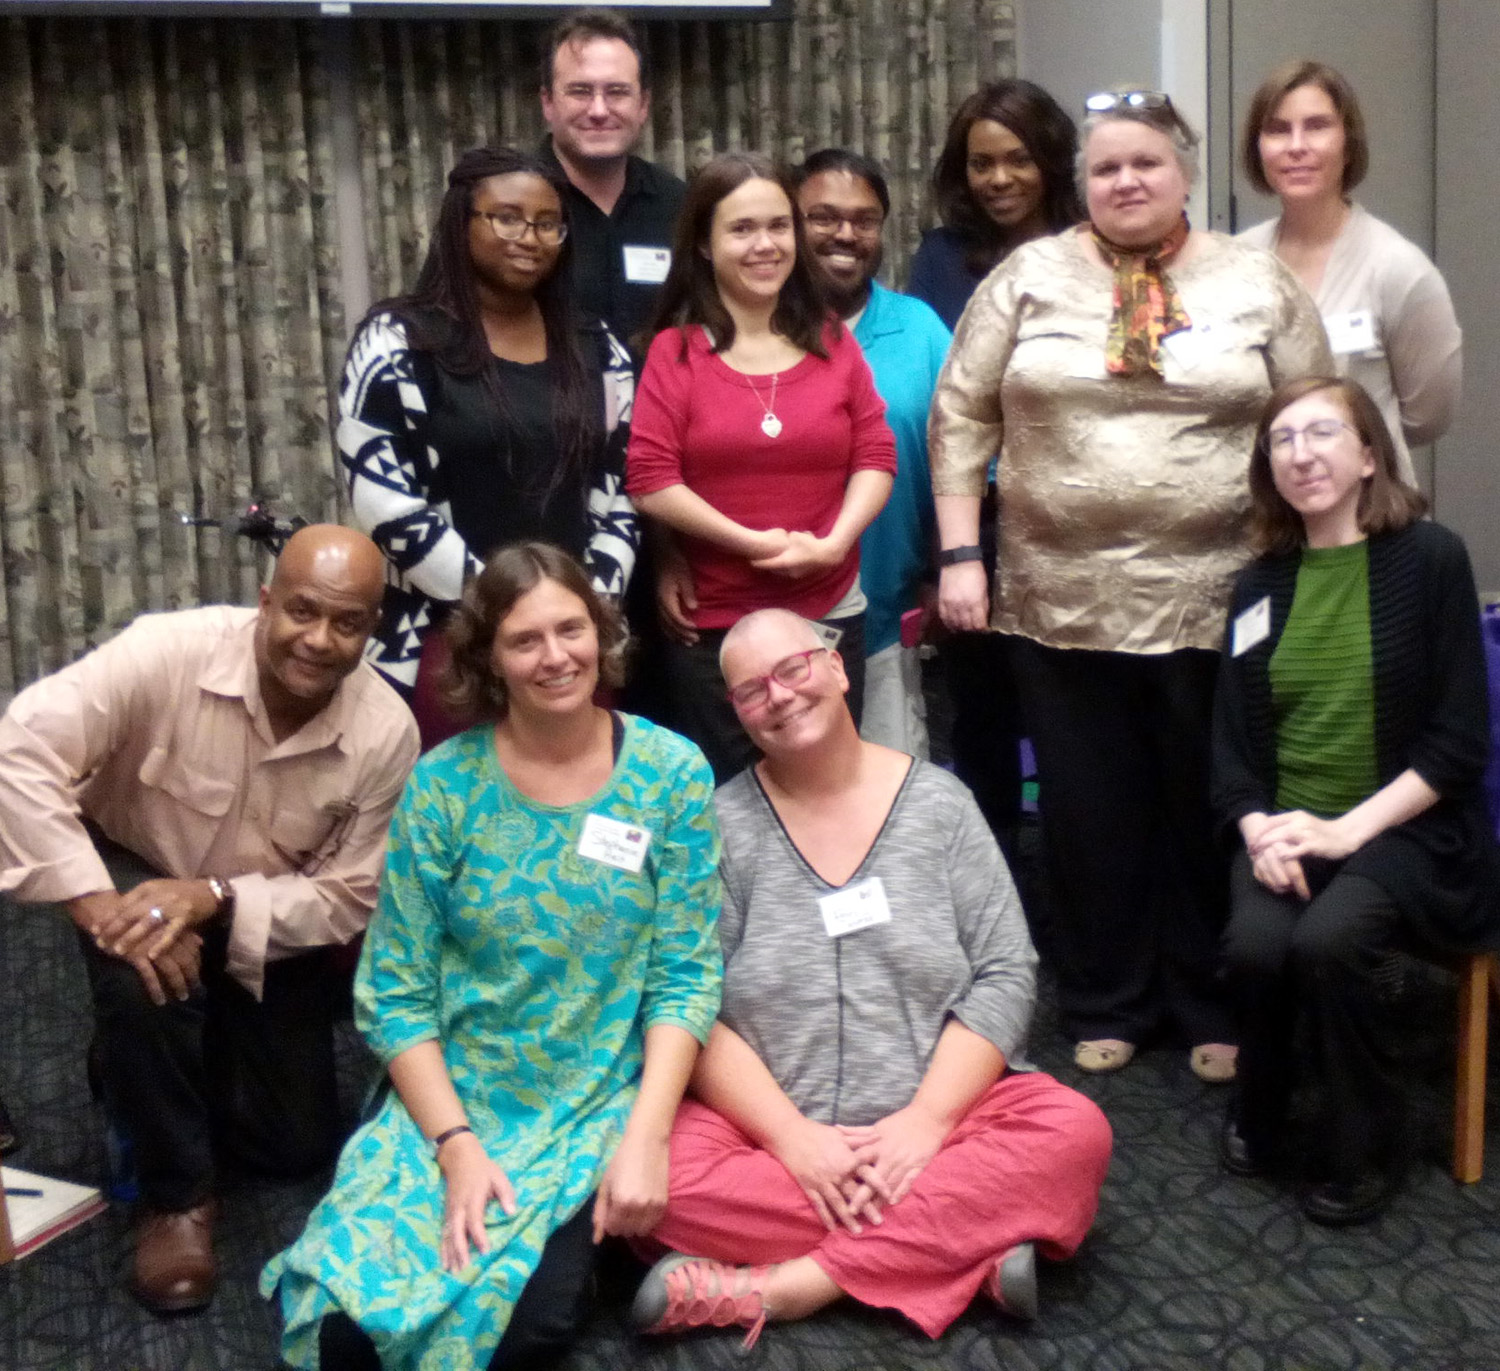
column 223, row 896
column 954, row 555
column 447, row 1133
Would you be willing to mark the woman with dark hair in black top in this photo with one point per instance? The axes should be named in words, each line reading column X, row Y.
column 1006, row 175
column 477, row 410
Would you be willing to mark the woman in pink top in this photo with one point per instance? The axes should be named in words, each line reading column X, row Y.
column 757, row 439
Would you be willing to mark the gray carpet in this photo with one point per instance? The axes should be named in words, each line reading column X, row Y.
column 1187, row 1268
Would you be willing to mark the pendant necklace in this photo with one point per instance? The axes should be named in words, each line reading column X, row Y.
column 770, row 425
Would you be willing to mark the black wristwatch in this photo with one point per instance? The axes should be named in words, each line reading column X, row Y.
column 954, row 555
column 223, row 897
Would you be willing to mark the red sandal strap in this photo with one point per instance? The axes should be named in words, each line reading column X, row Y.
column 706, row 1293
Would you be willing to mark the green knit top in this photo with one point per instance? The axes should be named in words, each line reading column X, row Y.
column 1322, row 686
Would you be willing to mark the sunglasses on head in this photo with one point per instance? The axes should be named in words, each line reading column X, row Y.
column 1105, row 100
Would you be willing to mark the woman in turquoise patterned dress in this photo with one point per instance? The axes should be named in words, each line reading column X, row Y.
column 540, row 971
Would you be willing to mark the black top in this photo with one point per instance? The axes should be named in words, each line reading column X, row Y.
column 941, row 276
column 498, row 473
column 1431, row 715
column 429, row 457
column 645, row 215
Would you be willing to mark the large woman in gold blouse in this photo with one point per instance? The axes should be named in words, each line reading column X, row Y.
column 1119, row 369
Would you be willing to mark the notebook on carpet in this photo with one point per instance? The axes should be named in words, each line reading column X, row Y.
column 38, row 1218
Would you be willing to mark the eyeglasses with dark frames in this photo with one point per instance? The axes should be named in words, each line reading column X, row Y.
column 510, row 226
column 789, row 671
column 866, row 224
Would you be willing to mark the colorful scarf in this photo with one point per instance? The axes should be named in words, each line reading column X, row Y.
column 1147, row 306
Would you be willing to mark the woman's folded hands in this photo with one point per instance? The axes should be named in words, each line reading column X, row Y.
column 823, row 1161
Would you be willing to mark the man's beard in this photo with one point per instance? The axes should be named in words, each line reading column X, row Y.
column 846, row 300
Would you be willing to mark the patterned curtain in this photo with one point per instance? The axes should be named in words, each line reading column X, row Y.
column 167, row 324
column 171, row 300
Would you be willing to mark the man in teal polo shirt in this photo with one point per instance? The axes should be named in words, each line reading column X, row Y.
column 844, row 201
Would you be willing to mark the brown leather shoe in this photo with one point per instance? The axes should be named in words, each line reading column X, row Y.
column 174, row 1260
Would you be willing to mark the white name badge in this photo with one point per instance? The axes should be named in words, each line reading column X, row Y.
column 1253, row 626
column 1190, row 346
column 616, row 844
column 1087, row 367
column 855, row 907
column 647, row 266
column 1351, row 332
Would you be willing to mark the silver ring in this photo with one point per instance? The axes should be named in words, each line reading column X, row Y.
column 154, row 913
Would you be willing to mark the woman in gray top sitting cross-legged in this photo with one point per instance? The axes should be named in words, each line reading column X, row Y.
column 860, row 1127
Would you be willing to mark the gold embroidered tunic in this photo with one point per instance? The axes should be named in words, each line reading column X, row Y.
column 1123, row 500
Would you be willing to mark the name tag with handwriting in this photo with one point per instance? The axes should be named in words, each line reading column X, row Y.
column 647, row 266
column 855, row 907
column 620, row 845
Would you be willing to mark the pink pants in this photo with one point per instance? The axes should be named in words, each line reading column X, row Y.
column 1024, row 1165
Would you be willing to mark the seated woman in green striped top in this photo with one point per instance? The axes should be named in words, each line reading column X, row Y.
column 1351, row 735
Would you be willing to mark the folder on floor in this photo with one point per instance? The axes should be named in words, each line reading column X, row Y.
column 36, row 1219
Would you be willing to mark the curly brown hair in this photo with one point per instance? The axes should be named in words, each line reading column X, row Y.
column 469, row 685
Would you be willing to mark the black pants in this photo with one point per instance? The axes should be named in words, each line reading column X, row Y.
column 542, row 1326
column 986, row 737
column 1317, row 960
column 986, row 741
column 219, row 1068
column 1138, row 884
column 647, row 685
column 701, row 708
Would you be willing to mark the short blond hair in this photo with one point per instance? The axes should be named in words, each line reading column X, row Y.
column 1165, row 119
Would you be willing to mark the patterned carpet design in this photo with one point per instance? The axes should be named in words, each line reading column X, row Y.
column 1187, row 1268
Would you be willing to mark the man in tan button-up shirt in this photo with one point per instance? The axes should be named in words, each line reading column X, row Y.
column 207, row 795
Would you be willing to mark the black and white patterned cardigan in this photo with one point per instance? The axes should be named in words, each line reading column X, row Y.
column 390, row 465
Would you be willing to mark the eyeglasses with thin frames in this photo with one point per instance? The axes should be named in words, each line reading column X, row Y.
column 789, row 671
column 1321, row 433
column 615, row 94
column 510, row 226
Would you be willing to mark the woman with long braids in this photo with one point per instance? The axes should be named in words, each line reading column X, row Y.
column 477, row 410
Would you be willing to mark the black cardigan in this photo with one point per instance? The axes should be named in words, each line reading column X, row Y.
column 1431, row 714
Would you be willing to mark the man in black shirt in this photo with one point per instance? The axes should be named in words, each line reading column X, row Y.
column 596, row 99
